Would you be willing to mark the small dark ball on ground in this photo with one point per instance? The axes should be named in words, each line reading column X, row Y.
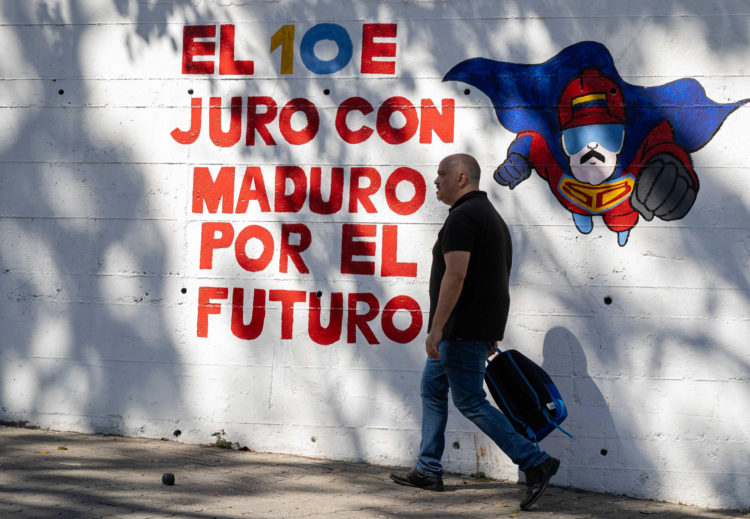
column 168, row 478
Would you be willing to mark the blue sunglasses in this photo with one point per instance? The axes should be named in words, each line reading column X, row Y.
column 608, row 136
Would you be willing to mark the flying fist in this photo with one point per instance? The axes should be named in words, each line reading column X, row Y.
column 515, row 169
column 665, row 188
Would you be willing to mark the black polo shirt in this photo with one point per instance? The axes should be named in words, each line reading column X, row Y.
column 475, row 226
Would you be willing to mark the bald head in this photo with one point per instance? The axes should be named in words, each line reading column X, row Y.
column 465, row 163
column 456, row 175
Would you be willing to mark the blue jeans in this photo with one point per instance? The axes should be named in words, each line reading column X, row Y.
column 461, row 368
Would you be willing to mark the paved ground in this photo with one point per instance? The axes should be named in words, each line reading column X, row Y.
column 46, row 474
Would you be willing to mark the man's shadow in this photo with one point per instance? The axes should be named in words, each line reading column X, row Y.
column 591, row 459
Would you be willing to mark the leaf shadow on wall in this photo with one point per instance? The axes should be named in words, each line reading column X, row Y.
column 118, row 364
column 85, row 273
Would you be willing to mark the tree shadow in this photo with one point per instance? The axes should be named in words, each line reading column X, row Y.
column 101, row 334
column 87, row 283
column 108, row 475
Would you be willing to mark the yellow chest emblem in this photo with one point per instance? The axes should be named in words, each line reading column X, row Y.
column 597, row 199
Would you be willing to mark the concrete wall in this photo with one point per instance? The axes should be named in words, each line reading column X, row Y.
column 118, row 290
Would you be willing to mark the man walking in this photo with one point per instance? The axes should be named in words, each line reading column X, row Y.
column 469, row 303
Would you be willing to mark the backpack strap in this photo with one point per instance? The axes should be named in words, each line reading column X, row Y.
column 556, row 426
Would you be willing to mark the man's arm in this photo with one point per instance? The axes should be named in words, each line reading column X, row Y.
column 456, row 265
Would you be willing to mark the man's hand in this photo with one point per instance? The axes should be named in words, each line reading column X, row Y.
column 432, row 342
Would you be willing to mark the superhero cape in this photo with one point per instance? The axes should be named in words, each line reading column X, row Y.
column 525, row 98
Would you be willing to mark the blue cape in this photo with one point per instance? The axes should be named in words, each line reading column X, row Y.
column 525, row 98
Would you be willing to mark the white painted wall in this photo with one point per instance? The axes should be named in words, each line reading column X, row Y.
column 99, row 247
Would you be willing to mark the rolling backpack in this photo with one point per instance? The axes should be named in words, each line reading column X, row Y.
column 525, row 394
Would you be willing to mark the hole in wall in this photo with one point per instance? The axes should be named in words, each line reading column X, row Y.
column 603, row 452
column 467, row 91
column 456, row 445
column 608, row 300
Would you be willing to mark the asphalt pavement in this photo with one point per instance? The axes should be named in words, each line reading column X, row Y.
column 48, row 474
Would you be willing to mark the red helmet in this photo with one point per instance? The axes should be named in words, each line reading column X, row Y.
column 591, row 99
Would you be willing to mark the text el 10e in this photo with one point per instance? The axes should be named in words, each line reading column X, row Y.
column 199, row 49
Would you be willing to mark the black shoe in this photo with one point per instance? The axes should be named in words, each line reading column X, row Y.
column 415, row 479
column 537, row 479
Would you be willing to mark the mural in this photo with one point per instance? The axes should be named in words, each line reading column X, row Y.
column 605, row 147
column 298, row 251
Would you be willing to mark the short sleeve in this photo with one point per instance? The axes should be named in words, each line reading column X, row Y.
column 460, row 232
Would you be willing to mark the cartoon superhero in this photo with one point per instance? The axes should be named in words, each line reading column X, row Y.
column 605, row 147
